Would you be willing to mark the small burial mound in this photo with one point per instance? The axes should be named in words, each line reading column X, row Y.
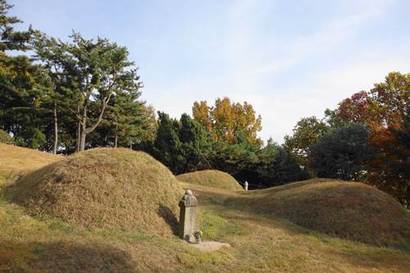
column 348, row 210
column 211, row 178
column 104, row 188
column 21, row 159
column 15, row 160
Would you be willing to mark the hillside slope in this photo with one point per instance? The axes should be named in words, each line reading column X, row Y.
column 349, row 210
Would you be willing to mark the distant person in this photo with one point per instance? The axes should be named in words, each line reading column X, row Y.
column 246, row 185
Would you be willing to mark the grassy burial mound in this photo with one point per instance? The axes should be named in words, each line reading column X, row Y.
column 103, row 188
column 17, row 160
column 346, row 210
column 211, row 178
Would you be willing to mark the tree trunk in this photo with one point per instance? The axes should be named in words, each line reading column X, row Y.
column 82, row 140
column 116, row 141
column 77, row 144
column 83, row 130
column 55, row 129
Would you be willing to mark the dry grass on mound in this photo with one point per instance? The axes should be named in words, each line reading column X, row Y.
column 103, row 188
column 347, row 210
column 211, row 178
column 15, row 160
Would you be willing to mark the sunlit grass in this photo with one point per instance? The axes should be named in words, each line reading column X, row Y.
column 259, row 242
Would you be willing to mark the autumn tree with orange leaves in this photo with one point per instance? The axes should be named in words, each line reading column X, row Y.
column 384, row 110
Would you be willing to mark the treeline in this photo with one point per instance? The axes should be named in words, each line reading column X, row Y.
column 66, row 96
column 224, row 137
column 366, row 138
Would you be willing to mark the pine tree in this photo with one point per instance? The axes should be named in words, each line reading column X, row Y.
column 167, row 145
column 10, row 39
column 92, row 73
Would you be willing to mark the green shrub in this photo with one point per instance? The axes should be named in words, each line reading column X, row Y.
column 5, row 137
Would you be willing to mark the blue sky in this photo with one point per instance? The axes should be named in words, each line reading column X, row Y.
column 289, row 59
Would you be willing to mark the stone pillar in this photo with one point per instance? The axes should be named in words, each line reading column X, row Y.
column 188, row 218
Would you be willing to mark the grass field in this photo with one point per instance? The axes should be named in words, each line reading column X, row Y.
column 260, row 242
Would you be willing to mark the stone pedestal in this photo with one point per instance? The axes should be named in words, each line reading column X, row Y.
column 188, row 218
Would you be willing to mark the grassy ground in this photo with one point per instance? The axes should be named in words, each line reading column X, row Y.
column 211, row 178
column 260, row 243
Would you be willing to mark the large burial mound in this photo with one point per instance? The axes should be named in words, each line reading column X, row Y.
column 347, row 210
column 211, row 178
column 104, row 188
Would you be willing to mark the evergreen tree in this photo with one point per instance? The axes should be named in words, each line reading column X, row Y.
column 24, row 86
column 276, row 166
column 195, row 144
column 342, row 153
column 167, row 145
column 24, row 93
column 125, row 117
column 10, row 39
column 93, row 72
column 182, row 145
column 306, row 133
column 238, row 159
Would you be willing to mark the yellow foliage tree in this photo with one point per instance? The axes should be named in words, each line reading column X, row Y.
column 226, row 121
column 200, row 111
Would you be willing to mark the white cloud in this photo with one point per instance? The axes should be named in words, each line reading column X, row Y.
column 280, row 108
column 244, row 58
column 246, row 48
column 253, row 61
column 281, row 112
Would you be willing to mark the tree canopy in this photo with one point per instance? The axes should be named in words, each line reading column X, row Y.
column 342, row 153
column 306, row 133
column 227, row 120
column 88, row 74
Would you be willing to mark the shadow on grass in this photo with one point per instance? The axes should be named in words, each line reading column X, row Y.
column 356, row 254
column 169, row 217
column 63, row 257
column 376, row 258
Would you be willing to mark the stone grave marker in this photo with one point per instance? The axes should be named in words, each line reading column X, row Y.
column 188, row 219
